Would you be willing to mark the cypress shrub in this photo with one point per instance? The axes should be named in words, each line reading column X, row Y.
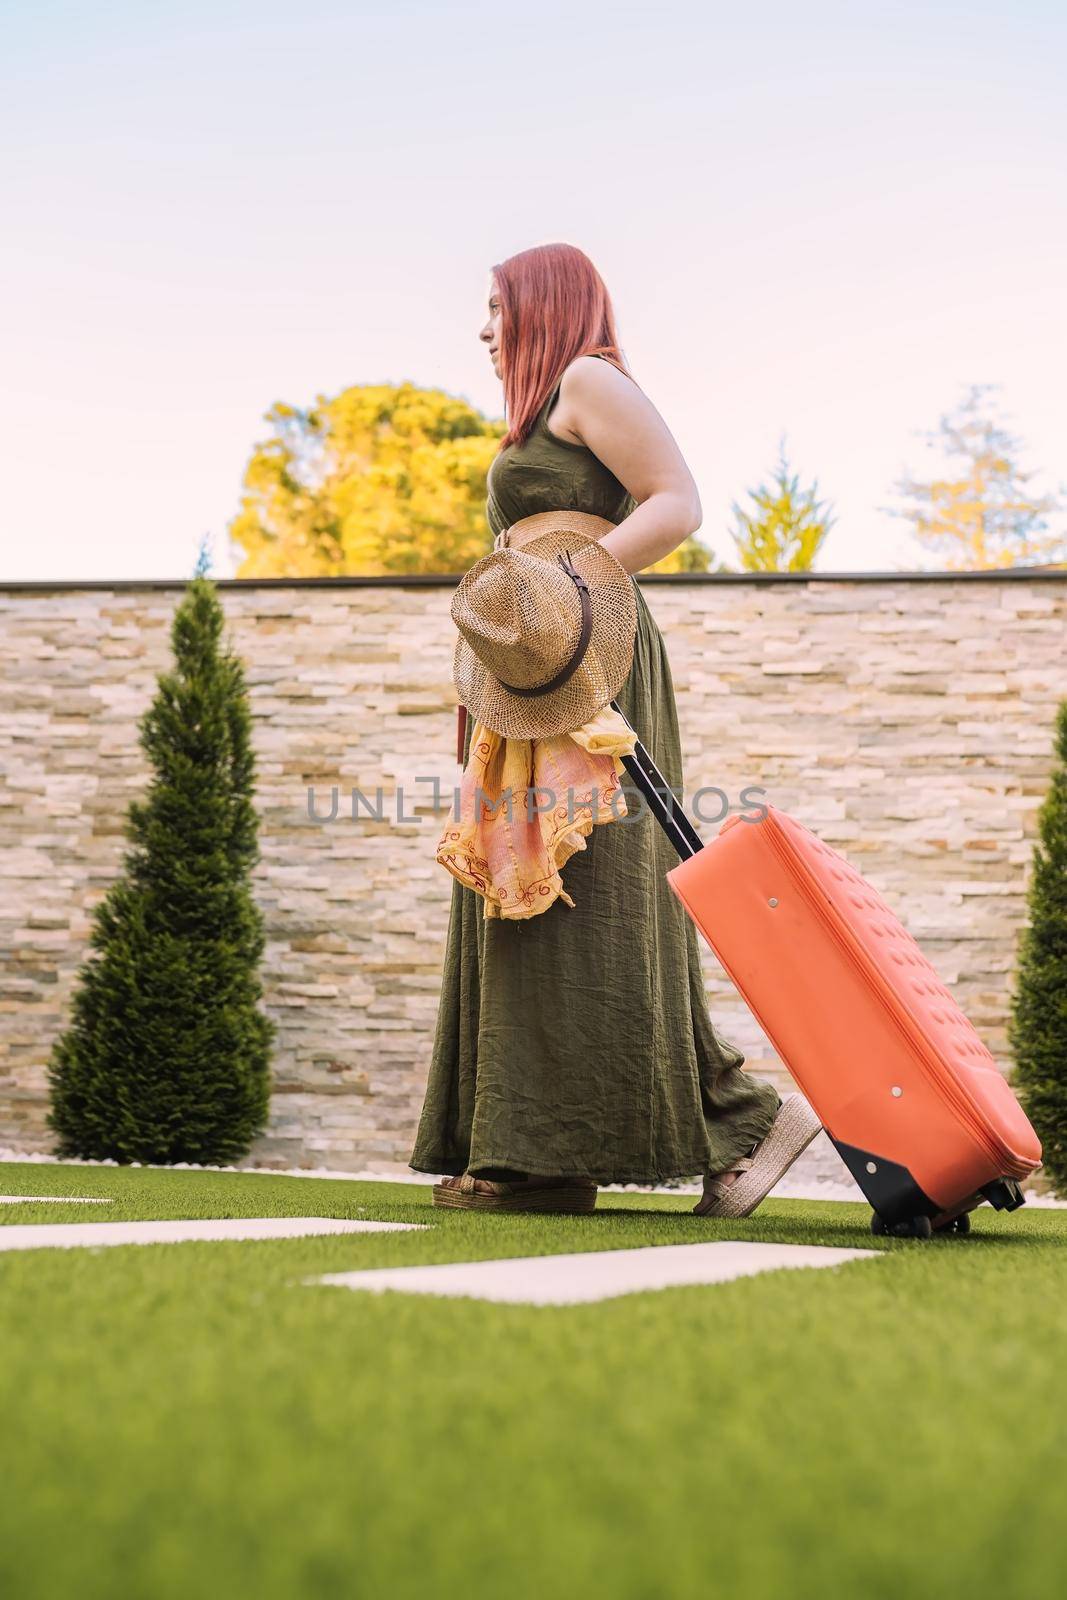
column 167, row 1055
column 1037, row 1030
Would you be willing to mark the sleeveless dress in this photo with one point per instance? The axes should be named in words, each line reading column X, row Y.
column 578, row 1042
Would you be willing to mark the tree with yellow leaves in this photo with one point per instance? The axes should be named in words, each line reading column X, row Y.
column 786, row 525
column 980, row 512
column 380, row 479
column 690, row 556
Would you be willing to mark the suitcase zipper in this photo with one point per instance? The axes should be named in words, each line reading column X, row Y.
column 959, row 1102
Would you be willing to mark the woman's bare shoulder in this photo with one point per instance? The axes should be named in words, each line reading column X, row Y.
column 596, row 369
column 590, row 383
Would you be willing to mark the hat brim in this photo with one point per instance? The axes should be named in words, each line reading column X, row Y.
column 604, row 668
column 519, row 533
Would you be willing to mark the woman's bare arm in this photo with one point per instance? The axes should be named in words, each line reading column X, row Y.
column 607, row 411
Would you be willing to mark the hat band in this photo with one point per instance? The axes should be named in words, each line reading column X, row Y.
column 570, row 667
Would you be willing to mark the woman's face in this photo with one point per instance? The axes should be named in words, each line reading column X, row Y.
column 490, row 333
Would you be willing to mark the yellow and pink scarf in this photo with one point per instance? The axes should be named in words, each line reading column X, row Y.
column 515, row 865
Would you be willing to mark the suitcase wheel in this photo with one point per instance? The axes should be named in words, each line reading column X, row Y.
column 912, row 1228
column 919, row 1227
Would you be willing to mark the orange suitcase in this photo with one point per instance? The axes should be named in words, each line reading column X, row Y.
column 910, row 1096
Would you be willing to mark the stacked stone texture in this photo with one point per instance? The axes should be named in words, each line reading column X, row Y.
column 908, row 721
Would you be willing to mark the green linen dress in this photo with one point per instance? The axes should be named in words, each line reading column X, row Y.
column 578, row 1042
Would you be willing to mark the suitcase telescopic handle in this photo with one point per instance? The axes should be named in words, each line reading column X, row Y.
column 662, row 800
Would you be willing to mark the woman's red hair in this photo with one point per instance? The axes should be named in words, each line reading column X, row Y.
column 554, row 307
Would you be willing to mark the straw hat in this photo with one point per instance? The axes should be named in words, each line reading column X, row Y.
column 546, row 626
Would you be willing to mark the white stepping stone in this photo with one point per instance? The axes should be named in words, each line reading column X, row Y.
column 54, row 1199
column 72, row 1235
column 596, row 1274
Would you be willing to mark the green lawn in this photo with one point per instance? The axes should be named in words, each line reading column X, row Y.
column 189, row 1418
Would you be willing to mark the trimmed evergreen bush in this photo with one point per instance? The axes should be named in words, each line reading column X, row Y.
column 167, row 1055
column 1037, row 1030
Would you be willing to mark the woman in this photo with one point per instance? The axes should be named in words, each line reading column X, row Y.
column 575, row 1047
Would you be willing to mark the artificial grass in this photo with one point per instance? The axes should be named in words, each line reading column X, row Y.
column 192, row 1417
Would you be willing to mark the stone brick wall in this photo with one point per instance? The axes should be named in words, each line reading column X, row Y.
column 906, row 719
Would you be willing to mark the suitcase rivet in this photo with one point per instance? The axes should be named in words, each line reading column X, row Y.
column 897, row 1092
column 872, row 1166
column 772, row 902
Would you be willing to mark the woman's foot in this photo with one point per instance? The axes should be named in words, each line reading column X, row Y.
column 526, row 1192
column 737, row 1192
column 716, row 1185
column 492, row 1174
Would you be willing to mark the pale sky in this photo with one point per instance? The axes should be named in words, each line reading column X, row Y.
column 825, row 219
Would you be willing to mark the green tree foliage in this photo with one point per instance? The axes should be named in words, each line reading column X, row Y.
column 167, row 1054
column 786, row 526
column 978, row 512
column 377, row 480
column 1037, row 1029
